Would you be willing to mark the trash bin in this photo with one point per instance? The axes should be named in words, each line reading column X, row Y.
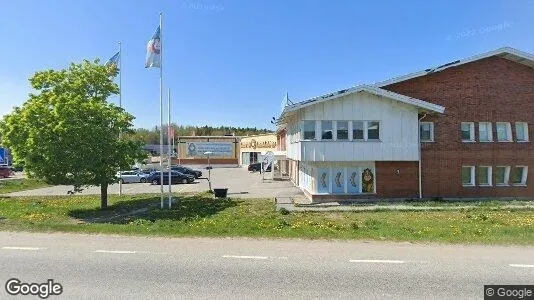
column 220, row 193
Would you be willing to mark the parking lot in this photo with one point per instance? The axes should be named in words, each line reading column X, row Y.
column 239, row 181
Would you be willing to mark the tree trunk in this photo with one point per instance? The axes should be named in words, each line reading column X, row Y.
column 103, row 195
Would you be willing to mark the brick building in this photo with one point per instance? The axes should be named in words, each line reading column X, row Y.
column 460, row 130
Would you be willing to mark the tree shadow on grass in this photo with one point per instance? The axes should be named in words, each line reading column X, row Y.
column 183, row 208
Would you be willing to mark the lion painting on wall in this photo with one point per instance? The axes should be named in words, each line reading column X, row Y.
column 368, row 181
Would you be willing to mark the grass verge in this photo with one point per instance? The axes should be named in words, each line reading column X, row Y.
column 201, row 215
column 16, row 185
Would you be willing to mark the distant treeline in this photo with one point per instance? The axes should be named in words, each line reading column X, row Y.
column 151, row 136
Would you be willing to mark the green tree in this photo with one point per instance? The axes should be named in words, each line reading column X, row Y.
column 67, row 132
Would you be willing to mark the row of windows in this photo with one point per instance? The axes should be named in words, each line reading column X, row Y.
column 485, row 131
column 341, row 130
column 504, row 175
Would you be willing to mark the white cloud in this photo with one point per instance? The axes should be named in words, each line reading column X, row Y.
column 12, row 93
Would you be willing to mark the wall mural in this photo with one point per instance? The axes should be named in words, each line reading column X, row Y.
column 353, row 181
column 253, row 144
column 338, row 183
column 322, row 184
column 368, row 181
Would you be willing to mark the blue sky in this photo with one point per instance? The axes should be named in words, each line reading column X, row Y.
column 231, row 62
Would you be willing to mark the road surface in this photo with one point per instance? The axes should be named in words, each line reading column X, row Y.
column 114, row 267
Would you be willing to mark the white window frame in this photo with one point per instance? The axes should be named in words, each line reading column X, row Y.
column 525, row 131
column 506, row 176
column 489, row 176
column 473, row 181
column 471, row 131
column 321, row 130
column 351, row 135
column 336, row 129
column 524, row 176
column 303, row 129
column 508, row 132
column 431, row 132
column 366, row 132
column 489, row 131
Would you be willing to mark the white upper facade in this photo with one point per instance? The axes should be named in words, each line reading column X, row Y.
column 365, row 124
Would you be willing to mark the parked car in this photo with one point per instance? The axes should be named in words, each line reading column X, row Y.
column 255, row 167
column 187, row 170
column 5, row 171
column 176, row 177
column 132, row 177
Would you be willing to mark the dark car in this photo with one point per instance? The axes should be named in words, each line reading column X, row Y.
column 5, row 171
column 255, row 167
column 176, row 177
column 186, row 170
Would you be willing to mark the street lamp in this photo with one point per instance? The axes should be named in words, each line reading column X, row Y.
column 209, row 167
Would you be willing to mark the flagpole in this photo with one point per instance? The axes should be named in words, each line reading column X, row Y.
column 120, row 105
column 169, row 145
column 161, row 106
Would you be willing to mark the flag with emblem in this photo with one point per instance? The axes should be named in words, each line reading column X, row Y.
column 153, row 50
column 114, row 60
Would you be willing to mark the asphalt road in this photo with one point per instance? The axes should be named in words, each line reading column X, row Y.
column 239, row 181
column 112, row 267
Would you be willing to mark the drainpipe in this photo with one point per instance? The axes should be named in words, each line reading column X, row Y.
column 419, row 145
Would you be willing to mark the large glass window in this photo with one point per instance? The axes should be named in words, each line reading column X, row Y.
column 521, row 132
column 357, row 130
column 484, row 175
column 342, row 130
column 468, row 131
column 519, row 175
column 485, row 133
column 426, row 131
column 468, row 176
column 373, row 130
column 502, row 175
column 326, row 130
column 309, row 130
column 504, row 132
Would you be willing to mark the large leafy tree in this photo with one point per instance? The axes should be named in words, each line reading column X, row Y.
column 68, row 133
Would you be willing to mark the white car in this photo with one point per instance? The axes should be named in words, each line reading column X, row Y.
column 132, row 177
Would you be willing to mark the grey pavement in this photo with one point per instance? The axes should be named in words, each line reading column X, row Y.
column 239, row 181
column 118, row 267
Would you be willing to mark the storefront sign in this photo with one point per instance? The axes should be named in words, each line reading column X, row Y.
column 216, row 149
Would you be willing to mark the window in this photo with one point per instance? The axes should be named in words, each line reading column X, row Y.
column 309, row 130
column 468, row 131
column 484, row 176
column 373, row 130
column 502, row 175
column 357, row 130
column 504, row 132
column 521, row 131
column 468, row 176
column 426, row 131
column 342, row 130
column 326, row 130
column 519, row 175
column 485, row 133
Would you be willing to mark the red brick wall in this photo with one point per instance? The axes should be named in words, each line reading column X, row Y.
column 389, row 184
column 488, row 90
column 281, row 140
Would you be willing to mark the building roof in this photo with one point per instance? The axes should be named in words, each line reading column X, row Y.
column 370, row 89
column 376, row 89
column 505, row 52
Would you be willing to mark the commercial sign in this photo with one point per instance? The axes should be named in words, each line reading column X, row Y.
column 216, row 149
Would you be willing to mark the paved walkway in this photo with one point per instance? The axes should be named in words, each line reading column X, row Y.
column 239, row 181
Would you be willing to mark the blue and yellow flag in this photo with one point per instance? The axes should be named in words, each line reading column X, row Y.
column 114, row 60
column 153, row 51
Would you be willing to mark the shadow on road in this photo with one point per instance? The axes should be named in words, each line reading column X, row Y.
column 184, row 208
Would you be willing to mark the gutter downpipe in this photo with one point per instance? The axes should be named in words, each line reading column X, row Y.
column 419, row 142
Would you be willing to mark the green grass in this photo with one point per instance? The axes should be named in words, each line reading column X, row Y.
column 200, row 215
column 16, row 185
